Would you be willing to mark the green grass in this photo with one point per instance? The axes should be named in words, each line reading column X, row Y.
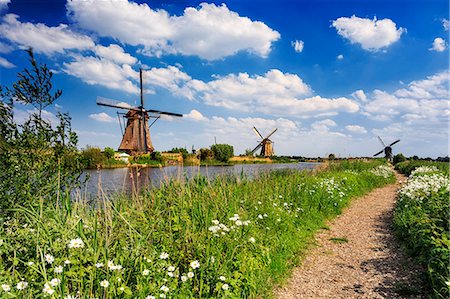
column 339, row 240
column 407, row 167
column 194, row 221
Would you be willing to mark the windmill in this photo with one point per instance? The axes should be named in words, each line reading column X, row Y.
column 387, row 149
column 265, row 144
column 136, row 138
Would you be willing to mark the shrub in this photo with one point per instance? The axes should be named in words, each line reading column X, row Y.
column 109, row 152
column 181, row 150
column 92, row 157
column 222, row 152
column 398, row 158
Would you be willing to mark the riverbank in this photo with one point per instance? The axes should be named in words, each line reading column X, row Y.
column 227, row 237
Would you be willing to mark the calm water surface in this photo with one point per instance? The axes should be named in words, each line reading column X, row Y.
column 130, row 179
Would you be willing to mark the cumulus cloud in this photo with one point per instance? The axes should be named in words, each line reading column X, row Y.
column 445, row 24
column 359, row 95
column 42, row 38
column 5, row 63
column 101, row 117
column 356, row 129
column 93, row 70
column 438, row 45
column 4, row 4
column 196, row 115
column 298, row 45
column 340, row 57
column 115, row 53
column 426, row 98
column 209, row 31
column 323, row 125
column 372, row 35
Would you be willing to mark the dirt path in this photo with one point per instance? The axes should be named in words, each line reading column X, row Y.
column 363, row 261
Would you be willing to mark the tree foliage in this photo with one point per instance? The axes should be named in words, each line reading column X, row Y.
column 38, row 159
column 222, row 152
column 181, row 150
column 398, row 158
column 109, row 152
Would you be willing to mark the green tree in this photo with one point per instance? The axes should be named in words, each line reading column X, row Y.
column 206, row 154
column 398, row 158
column 181, row 150
column 92, row 157
column 331, row 157
column 109, row 152
column 222, row 152
column 38, row 159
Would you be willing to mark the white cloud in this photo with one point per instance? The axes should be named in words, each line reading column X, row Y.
column 356, row 129
column 359, row 95
column 438, row 45
column 101, row 117
column 340, row 57
column 195, row 115
column 115, row 53
column 5, row 63
column 445, row 24
column 5, row 48
column 323, row 125
column 103, row 72
column 4, row 4
column 372, row 35
column 41, row 38
column 170, row 78
column 209, row 31
column 22, row 114
column 298, row 45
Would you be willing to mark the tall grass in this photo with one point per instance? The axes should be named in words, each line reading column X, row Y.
column 230, row 237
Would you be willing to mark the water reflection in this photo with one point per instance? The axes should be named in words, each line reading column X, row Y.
column 126, row 180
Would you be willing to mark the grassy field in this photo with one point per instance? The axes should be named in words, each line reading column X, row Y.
column 226, row 238
column 422, row 220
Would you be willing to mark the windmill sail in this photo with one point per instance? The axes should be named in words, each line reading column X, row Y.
column 266, row 145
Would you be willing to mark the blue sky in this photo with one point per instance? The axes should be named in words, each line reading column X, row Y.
column 330, row 75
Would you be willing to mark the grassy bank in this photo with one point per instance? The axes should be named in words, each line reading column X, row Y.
column 422, row 220
column 226, row 238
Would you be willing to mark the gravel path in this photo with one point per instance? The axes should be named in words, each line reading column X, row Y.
column 363, row 261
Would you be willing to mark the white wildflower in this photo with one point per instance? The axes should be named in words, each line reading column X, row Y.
column 48, row 289
column 49, row 258
column 222, row 278
column 22, row 285
column 184, row 278
column 225, row 287
column 6, row 287
column 76, row 243
column 104, row 283
column 164, row 256
column 215, row 221
column 67, row 262
column 170, row 274
column 164, row 289
column 30, row 263
column 190, row 274
column 100, row 265
column 195, row 264
column 171, row 268
column 150, row 297
column 55, row 282
column 252, row 240
column 146, row 272
column 162, row 295
column 58, row 269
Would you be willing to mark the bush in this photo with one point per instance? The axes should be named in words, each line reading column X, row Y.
column 181, row 150
column 398, row 158
column 222, row 152
column 206, row 154
column 92, row 157
column 109, row 152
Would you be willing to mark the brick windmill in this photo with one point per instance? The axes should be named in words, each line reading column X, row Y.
column 136, row 138
column 265, row 144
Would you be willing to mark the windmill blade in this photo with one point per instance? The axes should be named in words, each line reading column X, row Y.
column 271, row 133
column 256, row 148
column 163, row 112
column 257, row 133
column 394, row 142
column 380, row 152
column 381, row 140
column 115, row 104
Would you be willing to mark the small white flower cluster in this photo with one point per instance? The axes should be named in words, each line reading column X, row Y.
column 421, row 187
column 76, row 243
column 223, row 229
column 383, row 171
column 424, row 169
column 113, row 267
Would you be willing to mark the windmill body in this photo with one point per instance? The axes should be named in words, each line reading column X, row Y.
column 136, row 138
column 387, row 149
column 266, row 145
